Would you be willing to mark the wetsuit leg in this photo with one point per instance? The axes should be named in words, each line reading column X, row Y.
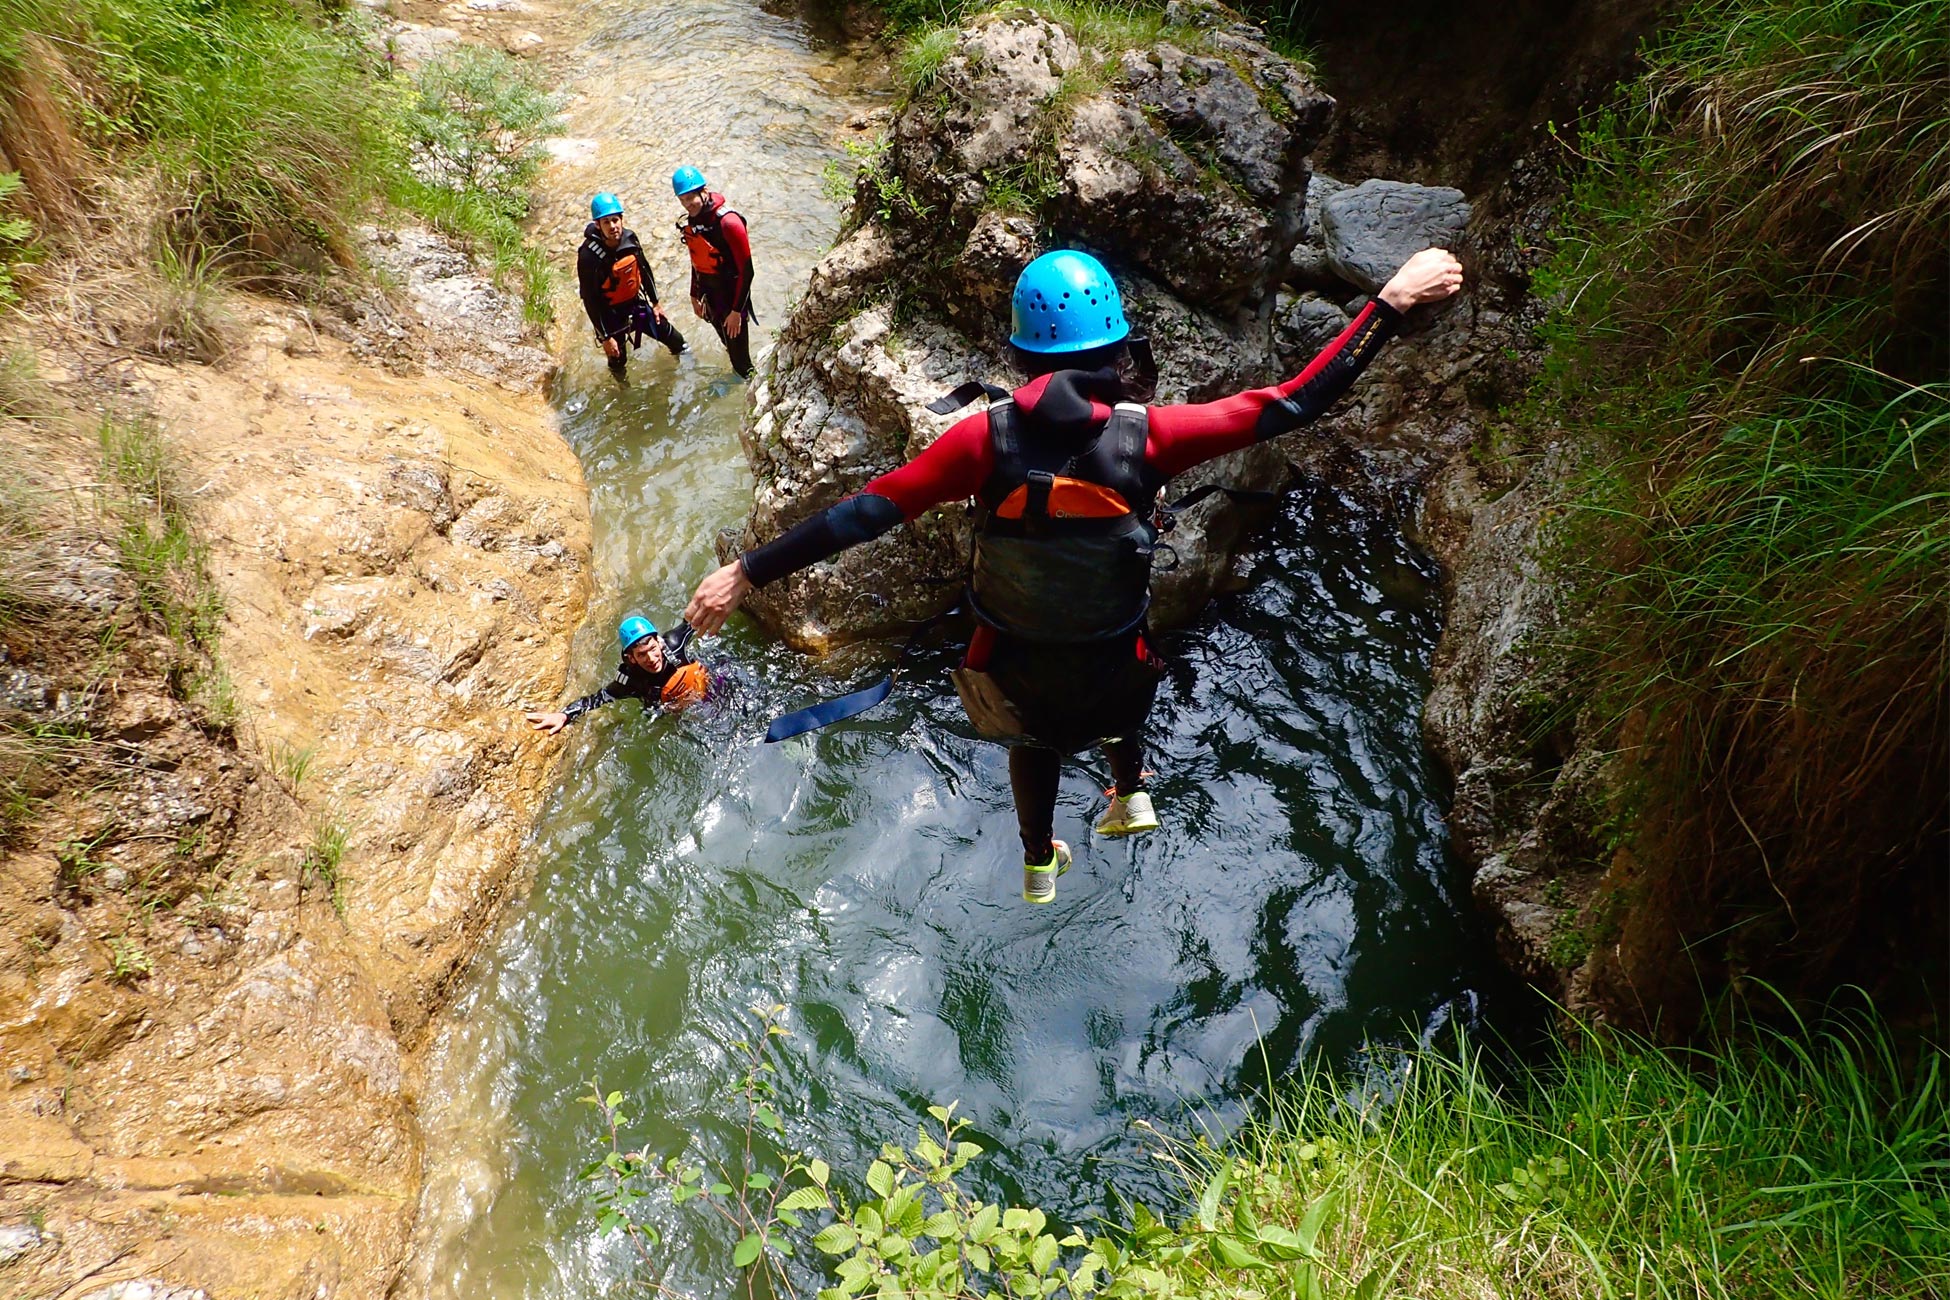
column 667, row 334
column 738, row 349
column 1035, row 771
column 1126, row 755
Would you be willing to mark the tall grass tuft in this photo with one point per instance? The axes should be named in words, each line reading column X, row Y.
column 1752, row 285
column 158, row 544
column 1808, row 1163
column 260, row 117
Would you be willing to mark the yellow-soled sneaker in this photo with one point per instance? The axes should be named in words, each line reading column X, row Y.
column 1128, row 814
column 1039, row 878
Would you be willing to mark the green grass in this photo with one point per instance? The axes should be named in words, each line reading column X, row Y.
column 325, row 860
column 1808, row 1164
column 157, row 541
column 1751, row 283
column 270, row 128
column 261, row 118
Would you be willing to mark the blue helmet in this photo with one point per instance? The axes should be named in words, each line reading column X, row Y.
column 605, row 205
column 686, row 179
column 1066, row 302
column 632, row 630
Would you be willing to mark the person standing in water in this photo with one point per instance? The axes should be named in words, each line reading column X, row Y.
column 1066, row 473
column 656, row 669
column 618, row 290
column 721, row 264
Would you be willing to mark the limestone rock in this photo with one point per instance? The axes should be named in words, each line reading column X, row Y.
column 1184, row 167
column 1371, row 229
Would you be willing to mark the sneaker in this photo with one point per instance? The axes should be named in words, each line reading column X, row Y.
column 1039, row 878
column 1128, row 814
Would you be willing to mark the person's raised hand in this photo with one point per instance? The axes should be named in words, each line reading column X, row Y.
column 549, row 722
column 716, row 597
column 1430, row 276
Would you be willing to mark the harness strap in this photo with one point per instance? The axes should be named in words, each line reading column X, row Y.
column 949, row 403
column 1168, row 513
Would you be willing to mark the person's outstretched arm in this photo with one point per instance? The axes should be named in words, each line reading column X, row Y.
column 1184, row 436
column 951, row 469
column 626, row 686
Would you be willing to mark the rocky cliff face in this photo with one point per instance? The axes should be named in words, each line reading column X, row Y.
column 220, row 950
column 1184, row 164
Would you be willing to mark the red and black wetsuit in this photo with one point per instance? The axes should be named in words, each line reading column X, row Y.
column 721, row 272
column 1072, row 695
column 618, row 291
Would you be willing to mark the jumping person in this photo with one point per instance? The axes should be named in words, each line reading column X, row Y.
column 1066, row 474
column 656, row 669
column 618, row 291
column 721, row 264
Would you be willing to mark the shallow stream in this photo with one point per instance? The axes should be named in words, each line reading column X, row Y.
column 1299, row 902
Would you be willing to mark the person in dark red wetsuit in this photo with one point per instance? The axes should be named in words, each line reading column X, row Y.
column 1059, row 660
column 721, row 264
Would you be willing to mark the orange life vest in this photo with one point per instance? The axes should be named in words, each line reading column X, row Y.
column 704, row 237
column 686, row 687
column 625, row 280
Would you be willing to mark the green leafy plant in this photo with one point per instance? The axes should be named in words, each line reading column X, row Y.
column 874, row 190
column 130, row 961
column 916, row 1231
column 15, row 232
column 475, row 126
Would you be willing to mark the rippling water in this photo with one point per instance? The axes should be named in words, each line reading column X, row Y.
column 1300, row 899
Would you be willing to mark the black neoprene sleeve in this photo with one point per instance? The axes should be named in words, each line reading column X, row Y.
column 860, row 518
column 1324, row 387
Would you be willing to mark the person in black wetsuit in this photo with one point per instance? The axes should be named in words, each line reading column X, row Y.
column 656, row 669
column 618, row 290
column 1066, row 472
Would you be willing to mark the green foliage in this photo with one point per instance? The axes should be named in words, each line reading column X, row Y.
column 259, row 116
column 920, row 58
column 915, row 1232
column 1794, row 1164
column 130, row 961
column 1800, row 1164
column 15, row 232
column 474, row 127
column 1751, row 287
column 325, row 860
column 874, row 190
column 158, row 545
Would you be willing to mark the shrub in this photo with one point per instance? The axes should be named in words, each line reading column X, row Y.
column 260, row 116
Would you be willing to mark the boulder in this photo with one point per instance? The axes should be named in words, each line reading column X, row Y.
column 1370, row 230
